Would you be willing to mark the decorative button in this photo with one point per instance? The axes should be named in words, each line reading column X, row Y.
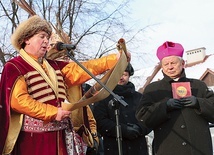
column 183, row 126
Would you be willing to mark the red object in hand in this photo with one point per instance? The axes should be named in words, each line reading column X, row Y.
column 181, row 90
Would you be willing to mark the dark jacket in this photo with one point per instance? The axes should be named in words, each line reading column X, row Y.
column 105, row 117
column 178, row 132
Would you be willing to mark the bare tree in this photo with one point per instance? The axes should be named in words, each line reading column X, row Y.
column 9, row 19
column 93, row 25
column 89, row 24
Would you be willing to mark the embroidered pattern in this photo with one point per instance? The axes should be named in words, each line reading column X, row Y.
column 74, row 143
column 35, row 125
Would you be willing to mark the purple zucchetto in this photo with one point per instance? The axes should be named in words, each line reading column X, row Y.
column 169, row 49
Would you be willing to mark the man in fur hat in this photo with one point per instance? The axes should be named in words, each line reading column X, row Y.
column 180, row 119
column 32, row 90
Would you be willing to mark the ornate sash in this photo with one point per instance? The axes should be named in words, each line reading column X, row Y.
column 35, row 125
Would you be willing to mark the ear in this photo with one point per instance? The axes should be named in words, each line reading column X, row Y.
column 27, row 42
column 183, row 62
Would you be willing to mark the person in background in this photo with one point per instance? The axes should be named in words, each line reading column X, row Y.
column 100, row 149
column 133, row 132
column 83, row 121
column 33, row 89
column 90, row 123
column 180, row 124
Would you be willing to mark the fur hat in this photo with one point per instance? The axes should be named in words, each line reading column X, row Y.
column 27, row 29
column 169, row 49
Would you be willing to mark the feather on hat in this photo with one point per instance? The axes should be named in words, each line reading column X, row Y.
column 27, row 29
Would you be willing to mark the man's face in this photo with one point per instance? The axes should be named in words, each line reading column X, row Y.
column 124, row 79
column 172, row 66
column 37, row 45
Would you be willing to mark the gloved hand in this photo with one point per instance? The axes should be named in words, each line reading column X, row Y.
column 190, row 102
column 173, row 104
column 131, row 133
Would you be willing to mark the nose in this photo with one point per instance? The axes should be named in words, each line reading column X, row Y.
column 170, row 66
column 46, row 39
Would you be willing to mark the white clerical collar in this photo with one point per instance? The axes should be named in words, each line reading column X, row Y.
column 176, row 79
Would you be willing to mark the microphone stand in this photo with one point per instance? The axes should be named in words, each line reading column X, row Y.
column 115, row 102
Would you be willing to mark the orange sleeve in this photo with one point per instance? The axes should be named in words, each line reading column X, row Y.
column 75, row 75
column 22, row 102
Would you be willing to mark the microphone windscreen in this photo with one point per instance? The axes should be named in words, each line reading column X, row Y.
column 58, row 46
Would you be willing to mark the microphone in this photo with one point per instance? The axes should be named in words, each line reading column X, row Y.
column 61, row 46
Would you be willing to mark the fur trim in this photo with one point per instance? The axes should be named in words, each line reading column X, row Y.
column 27, row 29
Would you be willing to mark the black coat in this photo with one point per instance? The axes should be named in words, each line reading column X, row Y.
column 178, row 132
column 105, row 117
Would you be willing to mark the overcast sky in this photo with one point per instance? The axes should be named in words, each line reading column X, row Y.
column 189, row 22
